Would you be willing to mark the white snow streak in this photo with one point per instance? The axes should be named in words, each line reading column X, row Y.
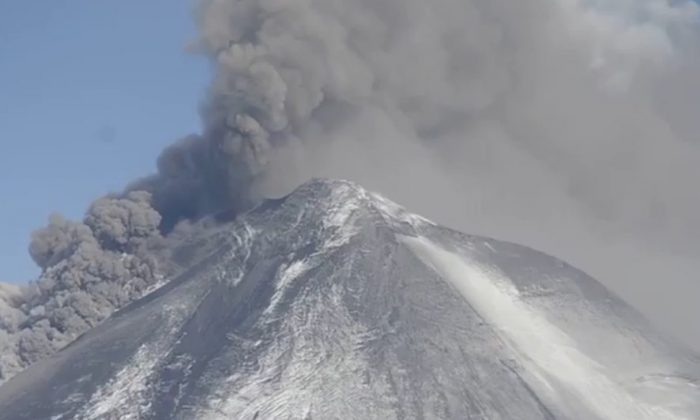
column 344, row 202
column 286, row 276
column 394, row 212
column 243, row 241
column 128, row 395
column 310, row 371
column 560, row 364
column 125, row 395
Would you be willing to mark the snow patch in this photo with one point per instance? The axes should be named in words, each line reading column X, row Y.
column 160, row 282
column 395, row 212
column 291, row 272
column 286, row 276
column 125, row 396
column 342, row 206
column 242, row 242
column 556, row 361
column 307, row 373
column 128, row 394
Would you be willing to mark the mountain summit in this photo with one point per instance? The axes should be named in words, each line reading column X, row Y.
column 335, row 303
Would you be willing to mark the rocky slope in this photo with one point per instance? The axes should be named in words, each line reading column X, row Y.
column 335, row 303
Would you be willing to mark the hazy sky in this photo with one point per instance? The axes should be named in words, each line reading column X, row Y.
column 82, row 77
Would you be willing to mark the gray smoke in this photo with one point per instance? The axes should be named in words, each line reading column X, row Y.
column 566, row 125
column 10, row 319
column 90, row 269
column 123, row 224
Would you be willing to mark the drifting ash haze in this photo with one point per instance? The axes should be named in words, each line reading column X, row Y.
column 566, row 125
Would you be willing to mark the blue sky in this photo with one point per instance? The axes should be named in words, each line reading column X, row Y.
column 90, row 92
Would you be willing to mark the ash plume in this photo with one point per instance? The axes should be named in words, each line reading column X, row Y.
column 565, row 125
column 90, row 269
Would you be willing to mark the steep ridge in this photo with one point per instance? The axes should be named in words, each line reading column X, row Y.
column 334, row 302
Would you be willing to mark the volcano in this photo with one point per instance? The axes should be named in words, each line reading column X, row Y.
column 336, row 303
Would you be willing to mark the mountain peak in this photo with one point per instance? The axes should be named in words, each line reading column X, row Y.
column 334, row 302
column 346, row 203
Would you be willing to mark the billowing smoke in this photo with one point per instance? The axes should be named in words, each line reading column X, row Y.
column 90, row 269
column 566, row 125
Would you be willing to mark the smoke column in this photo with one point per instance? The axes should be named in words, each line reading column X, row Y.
column 566, row 125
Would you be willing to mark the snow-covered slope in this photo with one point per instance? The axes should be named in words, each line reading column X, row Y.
column 335, row 303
